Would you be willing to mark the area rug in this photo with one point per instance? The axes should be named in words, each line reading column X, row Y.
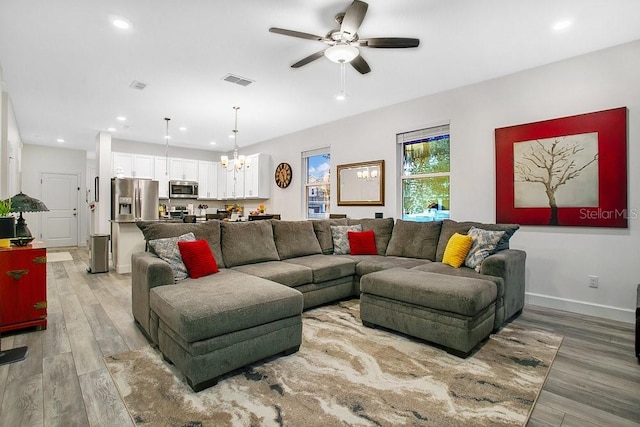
column 59, row 256
column 348, row 375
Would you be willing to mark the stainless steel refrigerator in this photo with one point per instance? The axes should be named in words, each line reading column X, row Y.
column 134, row 199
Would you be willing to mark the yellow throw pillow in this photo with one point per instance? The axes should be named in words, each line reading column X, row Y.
column 457, row 250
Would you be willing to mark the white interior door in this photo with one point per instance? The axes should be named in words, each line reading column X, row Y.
column 60, row 223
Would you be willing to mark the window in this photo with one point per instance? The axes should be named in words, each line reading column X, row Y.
column 425, row 174
column 317, row 167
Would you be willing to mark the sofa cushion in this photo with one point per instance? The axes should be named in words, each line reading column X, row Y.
column 372, row 263
column 322, row 228
column 223, row 303
column 210, row 231
column 440, row 268
column 382, row 227
column 326, row 267
column 248, row 242
column 457, row 250
column 414, row 239
column 198, row 259
column 341, row 237
column 449, row 227
column 461, row 295
column 281, row 272
column 295, row 238
column 362, row 242
column 484, row 244
column 168, row 250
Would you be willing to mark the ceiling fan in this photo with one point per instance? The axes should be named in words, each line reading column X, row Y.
column 344, row 42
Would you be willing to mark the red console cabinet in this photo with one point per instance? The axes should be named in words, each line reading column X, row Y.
column 23, row 287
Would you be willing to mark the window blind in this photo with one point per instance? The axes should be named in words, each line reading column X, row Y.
column 421, row 134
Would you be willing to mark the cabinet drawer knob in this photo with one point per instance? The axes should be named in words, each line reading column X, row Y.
column 17, row 274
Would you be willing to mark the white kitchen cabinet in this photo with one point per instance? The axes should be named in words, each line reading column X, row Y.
column 143, row 166
column 160, row 174
column 222, row 182
column 132, row 165
column 122, row 163
column 207, row 180
column 183, row 169
column 257, row 177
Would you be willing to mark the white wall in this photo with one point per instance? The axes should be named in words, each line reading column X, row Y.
column 559, row 259
column 40, row 159
column 10, row 148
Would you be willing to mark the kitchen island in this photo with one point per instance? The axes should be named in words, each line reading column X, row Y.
column 126, row 239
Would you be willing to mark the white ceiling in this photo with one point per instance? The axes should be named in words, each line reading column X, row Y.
column 68, row 70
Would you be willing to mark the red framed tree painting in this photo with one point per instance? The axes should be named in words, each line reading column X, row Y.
column 570, row 171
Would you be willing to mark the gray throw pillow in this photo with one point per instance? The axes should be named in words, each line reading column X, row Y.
column 413, row 239
column 295, row 239
column 322, row 228
column 168, row 250
column 340, row 234
column 484, row 244
column 209, row 231
column 248, row 243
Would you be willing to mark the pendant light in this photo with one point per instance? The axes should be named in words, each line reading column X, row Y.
column 239, row 161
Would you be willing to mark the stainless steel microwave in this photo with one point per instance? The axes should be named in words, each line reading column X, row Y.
column 183, row 190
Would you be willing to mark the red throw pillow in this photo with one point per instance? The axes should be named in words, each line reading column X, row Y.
column 197, row 257
column 362, row 242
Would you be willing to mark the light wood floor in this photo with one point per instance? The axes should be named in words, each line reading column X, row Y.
column 594, row 381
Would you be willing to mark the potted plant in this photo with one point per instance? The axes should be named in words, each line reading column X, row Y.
column 7, row 223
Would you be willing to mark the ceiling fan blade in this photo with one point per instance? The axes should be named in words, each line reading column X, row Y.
column 360, row 65
column 353, row 18
column 389, row 42
column 298, row 34
column 308, row 59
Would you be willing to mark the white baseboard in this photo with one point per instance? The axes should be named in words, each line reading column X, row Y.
column 581, row 307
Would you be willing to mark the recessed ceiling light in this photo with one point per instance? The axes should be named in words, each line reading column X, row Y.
column 182, row 128
column 562, row 25
column 121, row 23
column 232, row 136
column 111, row 129
column 121, row 118
column 60, row 140
column 212, row 143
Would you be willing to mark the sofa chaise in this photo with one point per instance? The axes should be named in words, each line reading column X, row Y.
column 270, row 271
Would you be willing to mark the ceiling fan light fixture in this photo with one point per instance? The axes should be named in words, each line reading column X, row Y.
column 341, row 53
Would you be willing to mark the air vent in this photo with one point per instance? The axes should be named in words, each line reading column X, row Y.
column 137, row 85
column 242, row 81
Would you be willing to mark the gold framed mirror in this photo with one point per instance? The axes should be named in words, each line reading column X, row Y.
column 361, row 184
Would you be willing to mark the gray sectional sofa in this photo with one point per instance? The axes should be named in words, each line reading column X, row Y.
column 270, row 271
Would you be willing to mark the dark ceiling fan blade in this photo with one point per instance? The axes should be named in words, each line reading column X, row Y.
column 297, row 34
column 360, row 65
column 353, row 18
column 389, row 42
column 308, row 59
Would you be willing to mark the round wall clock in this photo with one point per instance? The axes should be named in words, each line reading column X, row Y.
column 283, row 175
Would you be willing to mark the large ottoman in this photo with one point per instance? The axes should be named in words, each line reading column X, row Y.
column 208, row 328
column 454, row 312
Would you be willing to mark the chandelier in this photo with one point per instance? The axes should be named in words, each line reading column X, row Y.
column 239, row 161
